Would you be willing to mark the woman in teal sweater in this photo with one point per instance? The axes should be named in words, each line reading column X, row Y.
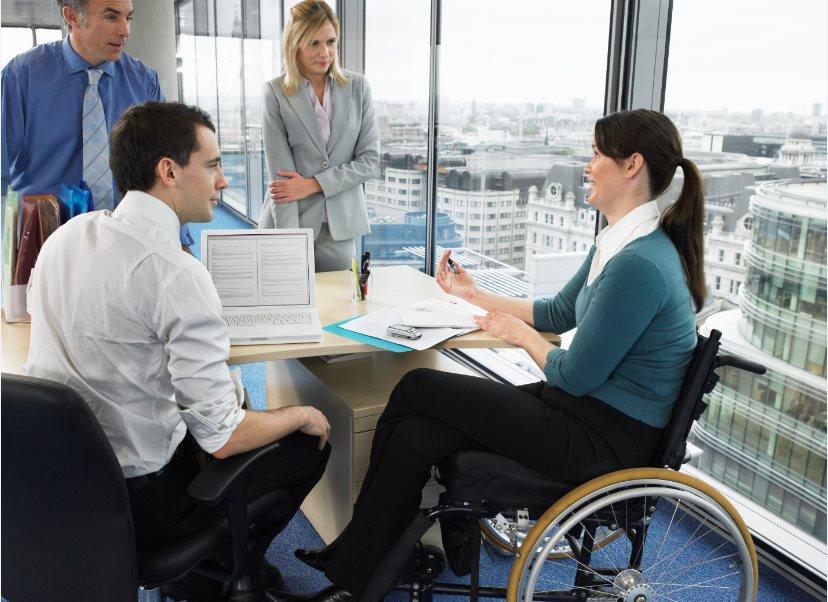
column 606, row 399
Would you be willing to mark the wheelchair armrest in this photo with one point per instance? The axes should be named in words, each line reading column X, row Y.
column 213, row 483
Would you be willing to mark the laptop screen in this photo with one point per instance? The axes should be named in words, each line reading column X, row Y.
column 254, row 270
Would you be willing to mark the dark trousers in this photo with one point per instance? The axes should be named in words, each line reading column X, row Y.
column 432, row 415
column 162, row 510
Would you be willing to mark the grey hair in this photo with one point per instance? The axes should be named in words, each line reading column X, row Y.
column 79, row 6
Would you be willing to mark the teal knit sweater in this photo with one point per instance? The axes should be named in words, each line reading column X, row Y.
column 636, row 330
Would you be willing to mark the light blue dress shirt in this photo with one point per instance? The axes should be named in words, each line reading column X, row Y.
column 42, row 102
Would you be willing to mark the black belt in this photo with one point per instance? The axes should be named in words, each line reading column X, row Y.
column 139, row 482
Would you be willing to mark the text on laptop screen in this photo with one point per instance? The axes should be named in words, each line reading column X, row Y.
column 260, row 270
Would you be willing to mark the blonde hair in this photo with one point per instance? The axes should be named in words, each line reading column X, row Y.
column 305, row 20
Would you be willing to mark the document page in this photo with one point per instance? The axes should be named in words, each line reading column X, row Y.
column 259, row 269
column 440, row 313
column 283, row 270
column 375, row 323
column 231, row 261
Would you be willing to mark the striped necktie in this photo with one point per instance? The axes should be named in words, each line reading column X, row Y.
column 96, row 172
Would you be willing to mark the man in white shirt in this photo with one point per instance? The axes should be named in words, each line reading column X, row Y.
column 124, row 317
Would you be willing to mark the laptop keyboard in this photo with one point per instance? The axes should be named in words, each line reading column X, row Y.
column 282, row 318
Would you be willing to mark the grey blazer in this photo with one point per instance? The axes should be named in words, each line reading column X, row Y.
column 292, row 142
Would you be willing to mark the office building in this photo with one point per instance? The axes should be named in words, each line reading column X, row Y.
column 765, row 436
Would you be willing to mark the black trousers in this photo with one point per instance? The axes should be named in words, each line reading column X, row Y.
column 432, row 415
column 162, row 510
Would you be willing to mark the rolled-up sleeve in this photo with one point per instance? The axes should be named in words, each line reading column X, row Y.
column 197, row 343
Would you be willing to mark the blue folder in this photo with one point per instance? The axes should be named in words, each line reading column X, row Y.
column 336, row 328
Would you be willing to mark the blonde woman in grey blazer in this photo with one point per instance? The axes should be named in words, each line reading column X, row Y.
column 321, row 139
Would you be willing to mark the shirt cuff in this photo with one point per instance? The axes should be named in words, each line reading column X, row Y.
column 553, row 354
column 212, row 423
column 540, row 315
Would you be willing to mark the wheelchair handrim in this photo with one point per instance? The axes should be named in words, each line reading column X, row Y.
column 670, row 491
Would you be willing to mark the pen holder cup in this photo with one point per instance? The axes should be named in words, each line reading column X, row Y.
column 360, row 285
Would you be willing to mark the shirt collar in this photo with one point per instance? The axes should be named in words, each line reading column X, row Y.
column 611, row 237
column 151, row 208
column 328, row 81
column 75, row 62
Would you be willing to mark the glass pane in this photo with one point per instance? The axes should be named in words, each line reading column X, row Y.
column 516, row 129
column 747, row 139
column 514, row 145
column 397, row 33
column 231, row 102
column 262, row 58
column 44, row 36
column 14, row 40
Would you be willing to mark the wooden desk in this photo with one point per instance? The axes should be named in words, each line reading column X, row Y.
column 352, row 394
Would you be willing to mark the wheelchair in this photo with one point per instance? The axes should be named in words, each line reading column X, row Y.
column 634, row 535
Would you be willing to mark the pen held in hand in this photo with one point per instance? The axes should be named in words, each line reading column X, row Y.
column 452, row 266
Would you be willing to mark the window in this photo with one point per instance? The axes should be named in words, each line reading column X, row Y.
column 397, row 33
column 15, row 40
column 778, row 283
column 235, row 43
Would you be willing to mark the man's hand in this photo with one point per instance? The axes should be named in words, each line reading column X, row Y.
column 293, row 188
column 315, row 424
column 505, row 326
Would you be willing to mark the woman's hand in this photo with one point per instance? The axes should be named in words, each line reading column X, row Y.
column 460, row 284
column 293, row 188
column 505, row 326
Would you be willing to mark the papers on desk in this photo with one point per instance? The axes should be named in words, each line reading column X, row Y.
column 440, row 313
column 431, row 311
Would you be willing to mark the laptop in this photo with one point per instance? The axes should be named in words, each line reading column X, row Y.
column 266, row 282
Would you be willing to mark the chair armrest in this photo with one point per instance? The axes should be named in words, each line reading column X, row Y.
column 214, row 482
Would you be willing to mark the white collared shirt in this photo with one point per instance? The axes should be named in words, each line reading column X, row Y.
column 131, row 322
column 641, row 221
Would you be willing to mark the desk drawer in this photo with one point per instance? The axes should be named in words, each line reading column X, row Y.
column 366, row 423
column 362, row 453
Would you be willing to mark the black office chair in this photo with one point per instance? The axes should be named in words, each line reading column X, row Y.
column 67, row 528
column 589, row 541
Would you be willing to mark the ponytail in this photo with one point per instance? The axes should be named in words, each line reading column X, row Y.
column 619, row 135
column 683, row 222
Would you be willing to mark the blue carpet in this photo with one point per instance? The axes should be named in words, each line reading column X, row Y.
column 494, row 569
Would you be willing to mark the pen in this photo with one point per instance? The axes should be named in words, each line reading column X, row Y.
column 451, row 266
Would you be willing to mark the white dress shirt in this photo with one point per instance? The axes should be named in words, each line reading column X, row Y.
column 131, row 322
column 641, row 221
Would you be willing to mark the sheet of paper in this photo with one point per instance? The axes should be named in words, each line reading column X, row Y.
column 440, row 313
column 283, row 270
column 375, row 323
column 232, row 266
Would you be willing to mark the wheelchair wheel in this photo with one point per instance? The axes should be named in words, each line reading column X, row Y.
column 682, row 541
column 507, row 538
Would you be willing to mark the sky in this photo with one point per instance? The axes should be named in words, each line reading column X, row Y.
column 737, row 54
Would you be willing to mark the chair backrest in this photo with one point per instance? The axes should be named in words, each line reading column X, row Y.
column 66, row 520
column 689, row 406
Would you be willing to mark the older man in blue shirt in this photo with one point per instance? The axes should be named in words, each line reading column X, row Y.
column 49, row 94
